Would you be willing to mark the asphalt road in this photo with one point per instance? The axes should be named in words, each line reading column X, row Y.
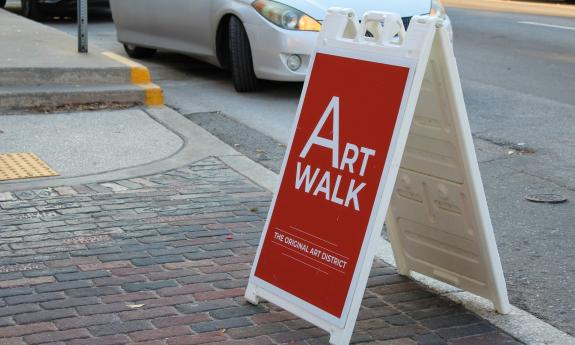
column 518, row 75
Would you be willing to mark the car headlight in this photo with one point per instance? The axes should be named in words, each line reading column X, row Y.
column 285, row 16
column 437, row 9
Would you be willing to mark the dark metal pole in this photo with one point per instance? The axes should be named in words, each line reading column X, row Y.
column 82, row 6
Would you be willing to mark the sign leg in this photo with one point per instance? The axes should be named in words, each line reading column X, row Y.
column 251, row 295
column 501, row 303
column 391, row 225
column 340, row 336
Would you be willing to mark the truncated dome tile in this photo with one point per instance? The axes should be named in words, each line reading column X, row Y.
column 15, row 166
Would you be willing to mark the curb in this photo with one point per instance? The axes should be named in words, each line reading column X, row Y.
column 140, row 76
column 47, row 75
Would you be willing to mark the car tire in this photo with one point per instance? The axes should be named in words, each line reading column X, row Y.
column 31, row 10
column 2, row 3
column 241, row 62
column 134, row 51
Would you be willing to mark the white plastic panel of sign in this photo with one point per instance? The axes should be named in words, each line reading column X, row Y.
column 438, row 219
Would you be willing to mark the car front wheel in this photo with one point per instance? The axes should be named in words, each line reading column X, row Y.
column 242, row 65
column 31, row 9
column 136, row 52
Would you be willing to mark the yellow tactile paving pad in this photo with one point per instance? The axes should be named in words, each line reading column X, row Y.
column 15, row 166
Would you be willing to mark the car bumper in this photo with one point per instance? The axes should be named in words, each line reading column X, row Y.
column 271, row 46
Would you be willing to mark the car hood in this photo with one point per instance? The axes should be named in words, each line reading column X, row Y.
column 318, row 8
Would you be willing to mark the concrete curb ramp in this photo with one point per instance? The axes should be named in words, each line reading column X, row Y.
column 40, row 67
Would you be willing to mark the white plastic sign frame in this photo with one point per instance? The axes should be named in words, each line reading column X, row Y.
column 342, row 35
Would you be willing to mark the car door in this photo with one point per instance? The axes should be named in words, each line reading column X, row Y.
column 140, row 22
column 186, row 25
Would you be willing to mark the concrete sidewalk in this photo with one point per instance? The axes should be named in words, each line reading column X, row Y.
column 88, row 143
column 41, row 69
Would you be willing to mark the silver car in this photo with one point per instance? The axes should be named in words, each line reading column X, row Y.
column 261, row 39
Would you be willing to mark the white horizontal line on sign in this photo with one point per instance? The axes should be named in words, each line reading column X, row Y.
column 315, row 244
column 549, row 25
column 315, row 268
column 307, row 233
column 301, row 254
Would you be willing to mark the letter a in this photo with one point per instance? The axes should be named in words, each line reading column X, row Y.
column 332, row 144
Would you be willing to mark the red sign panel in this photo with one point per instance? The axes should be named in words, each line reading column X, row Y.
column 330, row 181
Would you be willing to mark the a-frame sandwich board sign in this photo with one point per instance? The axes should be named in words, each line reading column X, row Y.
column 340, row 171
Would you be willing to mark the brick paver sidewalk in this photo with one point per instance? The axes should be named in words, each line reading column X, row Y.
column 164, row 260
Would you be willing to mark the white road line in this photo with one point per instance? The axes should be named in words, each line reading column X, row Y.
column 549, row 25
